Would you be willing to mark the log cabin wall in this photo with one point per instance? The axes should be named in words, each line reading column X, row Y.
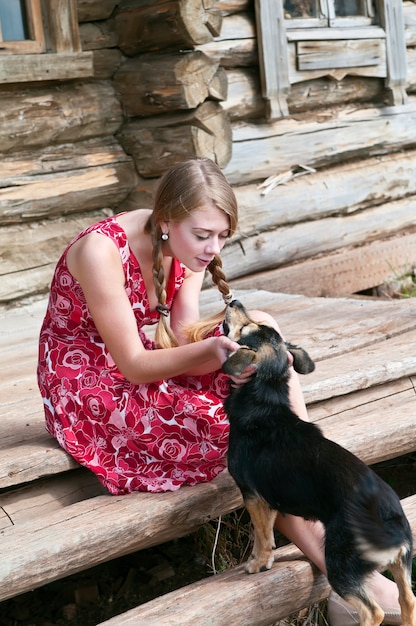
column 326, row 193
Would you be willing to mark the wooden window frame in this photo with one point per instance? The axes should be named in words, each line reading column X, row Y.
column 34, row 45
column 281, row 43
column 54, row 51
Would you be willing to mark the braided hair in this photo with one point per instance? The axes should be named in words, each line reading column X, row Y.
column 185, row 187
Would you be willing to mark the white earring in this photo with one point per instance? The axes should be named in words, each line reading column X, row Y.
column 164, row 237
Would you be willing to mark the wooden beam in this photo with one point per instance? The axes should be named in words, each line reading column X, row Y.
column 341, row 273
column 290, row 585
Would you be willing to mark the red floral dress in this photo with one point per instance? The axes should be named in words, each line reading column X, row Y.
column 149, row 437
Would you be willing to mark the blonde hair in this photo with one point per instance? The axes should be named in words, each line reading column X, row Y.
column 186, row 187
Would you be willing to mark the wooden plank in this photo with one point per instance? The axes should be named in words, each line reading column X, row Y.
column 345, row 53
column 291, row 584
column 283, row 245
column 107, row 527
column 257, row 600
column 340, row 327
column 21, row 506
column 262, row 150
column 36, row 67
column 63, row 25
column 348, row 420
column 341, row 273
column 347, row 188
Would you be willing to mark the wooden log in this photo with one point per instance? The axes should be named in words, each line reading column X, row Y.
column 60, row 114
column 152, row 83
column 42, row 243
column 347, row 188
column 411, row 70
column 93, row 10
column 97, row 36
column 85, row 176
column 244, row 100
column 132, row 522
column 409, row 16
column 149, row 25
column 262, row 150
column 236, row 45
column 158, row 142
column 106, row 63
column 341, row 273
column 284, row 245
column 218, row 86
column 290, row 585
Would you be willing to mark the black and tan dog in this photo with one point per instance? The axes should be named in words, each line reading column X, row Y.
column 284, row 464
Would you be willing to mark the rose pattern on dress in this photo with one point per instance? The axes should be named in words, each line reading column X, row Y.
column 149, row 437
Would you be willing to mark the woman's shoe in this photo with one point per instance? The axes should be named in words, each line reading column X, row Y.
column 340, row 613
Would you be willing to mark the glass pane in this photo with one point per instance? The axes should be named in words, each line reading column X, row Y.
column 350, row 7
column 300, row 8
column 13, row 20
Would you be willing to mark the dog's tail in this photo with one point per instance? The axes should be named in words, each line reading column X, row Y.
column 381, row 530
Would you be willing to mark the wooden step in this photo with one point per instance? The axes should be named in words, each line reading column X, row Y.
column 327, row 328
column 38, row 540
column 56, row 519
column 235, row 597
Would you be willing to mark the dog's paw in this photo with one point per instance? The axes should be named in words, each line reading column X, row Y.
column 259, row 564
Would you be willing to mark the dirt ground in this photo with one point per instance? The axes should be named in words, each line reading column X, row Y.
column 90, row 597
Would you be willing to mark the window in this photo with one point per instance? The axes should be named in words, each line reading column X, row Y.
column 39, row 40
column 301, row 40
column 21, row 28
column 330, row 12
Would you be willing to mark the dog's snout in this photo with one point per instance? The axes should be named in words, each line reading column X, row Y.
column 225, row 328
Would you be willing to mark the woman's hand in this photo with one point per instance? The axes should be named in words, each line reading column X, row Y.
column 238, row 381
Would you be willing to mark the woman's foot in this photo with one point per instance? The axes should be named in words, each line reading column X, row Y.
column 340, row 613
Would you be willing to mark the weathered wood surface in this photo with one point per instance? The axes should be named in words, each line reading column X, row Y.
column 91, row 10
column 262, row 150
column 247, row 600
column 409, row 17
column 158, row 142
column 236, row 45
column 37, row 521
column 340, row 189
column 67, row 113
column 341, row 273
column 58, row 180
column 97, row 35
column 153, row 84
column 284, row 245
column 328, row 329
column 42, row 244
column 34, row 67
column 107, row 527
column 244, row 100
column 150, row 25
column 348, row 419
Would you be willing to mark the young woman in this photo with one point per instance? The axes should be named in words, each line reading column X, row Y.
column 148, row 414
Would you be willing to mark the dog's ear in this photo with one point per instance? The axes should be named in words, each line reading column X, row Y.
column 238, row 361
column 302, row 362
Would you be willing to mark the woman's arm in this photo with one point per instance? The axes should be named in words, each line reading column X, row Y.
column 94, row 261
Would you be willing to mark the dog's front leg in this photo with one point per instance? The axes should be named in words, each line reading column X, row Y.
column 263, row 518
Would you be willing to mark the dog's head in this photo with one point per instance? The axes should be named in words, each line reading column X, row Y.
column 261, row 345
